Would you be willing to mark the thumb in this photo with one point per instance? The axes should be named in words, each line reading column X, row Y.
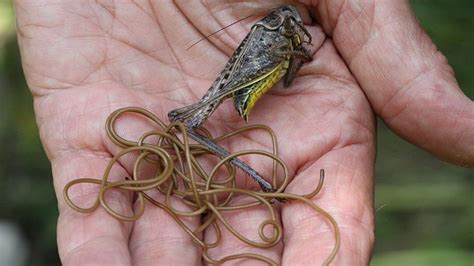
column 408, row 82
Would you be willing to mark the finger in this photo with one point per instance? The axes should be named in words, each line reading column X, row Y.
column 246, row 222
column 97, row 237
column 74, row 145
column 343, row 145
column 347, row 195
column 407, row 80
column 157, row 239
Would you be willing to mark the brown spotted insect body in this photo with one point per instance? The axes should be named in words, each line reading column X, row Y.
column 273, row 50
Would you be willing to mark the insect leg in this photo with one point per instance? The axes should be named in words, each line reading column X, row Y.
column 202, row 114
column 300, row 55
column 182, row 113
column 221, row 152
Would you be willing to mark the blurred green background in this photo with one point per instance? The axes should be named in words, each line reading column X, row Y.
column 425, row 207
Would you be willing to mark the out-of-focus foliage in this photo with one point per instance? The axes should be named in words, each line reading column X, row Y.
column 26, row 186
column 421, row 257
column 451, row 26
column 425, row 207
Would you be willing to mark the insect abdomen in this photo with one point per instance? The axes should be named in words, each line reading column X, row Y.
column 246, row 98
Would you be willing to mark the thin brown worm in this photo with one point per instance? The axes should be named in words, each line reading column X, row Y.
column 175, row 168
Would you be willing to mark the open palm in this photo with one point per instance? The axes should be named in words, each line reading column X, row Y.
column 84, row 60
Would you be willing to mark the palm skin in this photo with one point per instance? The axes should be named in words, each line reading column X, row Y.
column 84, row 60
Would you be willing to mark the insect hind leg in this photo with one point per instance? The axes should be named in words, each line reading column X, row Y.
column 201, row 115
column 181, row 114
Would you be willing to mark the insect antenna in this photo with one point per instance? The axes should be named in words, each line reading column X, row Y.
column 231, row 24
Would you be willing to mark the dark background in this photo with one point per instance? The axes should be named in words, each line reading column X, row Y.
column 425, row 207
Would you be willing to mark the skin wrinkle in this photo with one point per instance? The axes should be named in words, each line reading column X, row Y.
column 339, row 145
column 305, row 165
column 236, row 249
column 184, row 259
column 175, row 58
column 69, row 84
column 343, row 79
column 367, row 217
column 358, row 253
column 137, row 48
column 49, row 90
column 21, row 29
column 149, row 4
column 240, row 24
column 335, row 19
column 93, row 153
column 81, row 149
column 328, row 146
column 181, row 62
column 364, row 220
column 138, row 247
column 309, row 222
column 162, row 240
column 313, row 159
column 62, row 132
column 107, row 60
column 193, row 25
column 345, row 221
column 141, row 51
column 180, row 68
column 296, row 110
column 360, row 223
column 353, row 57
column 88, row 19
column 367, row 125
column 148, row 54
column 218, row 46
column 425, row 139
column 393, row 101
column 107, row 38
column 88, row 243
column 362, row 47
column 110, row 9
column 70, row 146
column 243, row 28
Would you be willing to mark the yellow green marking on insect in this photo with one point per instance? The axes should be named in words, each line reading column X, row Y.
column 261, row 87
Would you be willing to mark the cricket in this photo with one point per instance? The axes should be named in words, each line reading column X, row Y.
column 274, row 49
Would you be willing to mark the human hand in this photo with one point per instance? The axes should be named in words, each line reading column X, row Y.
column 83, row 61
